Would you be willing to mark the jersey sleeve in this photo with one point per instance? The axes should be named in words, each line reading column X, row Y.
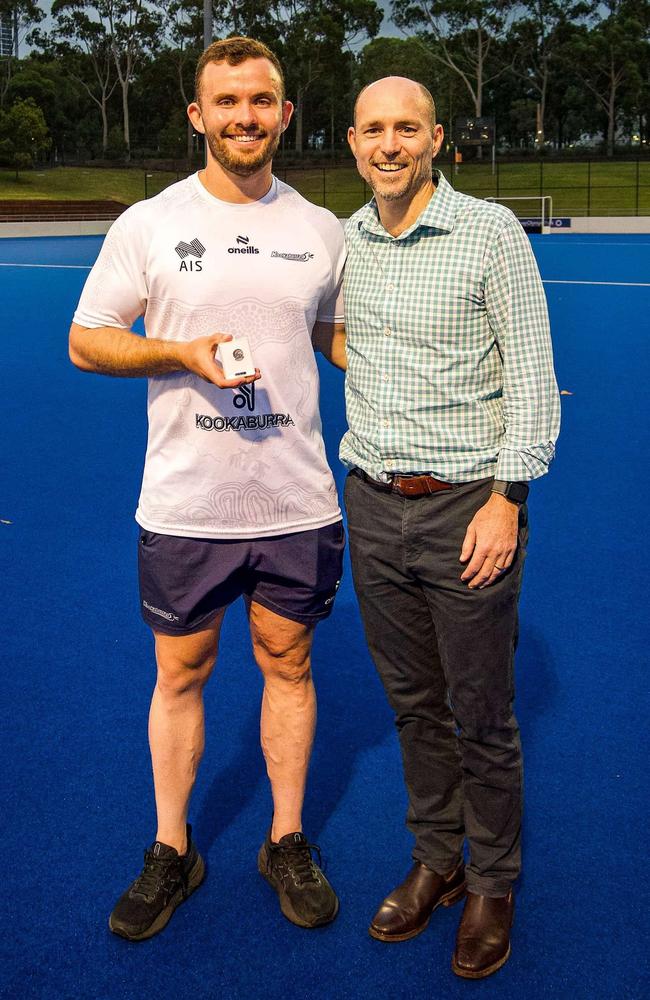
column 115, row 293
column 330, row 307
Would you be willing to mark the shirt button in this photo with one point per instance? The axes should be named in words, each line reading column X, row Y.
column 386, row 423
column 387, row 331
column 390, row 286
column 386, row 378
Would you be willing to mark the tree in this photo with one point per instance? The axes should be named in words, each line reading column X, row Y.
column 24, row 14
column 133, row 28
column 461, row 35
column 184, row 27
column 607, row 57
column 537, row 38
column 409, row 57
column 84, row 46
column 124, row 28
column 312, row 34
column 53, row 91
column 23, row 135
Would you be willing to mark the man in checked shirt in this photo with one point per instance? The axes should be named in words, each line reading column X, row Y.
column 452, row 407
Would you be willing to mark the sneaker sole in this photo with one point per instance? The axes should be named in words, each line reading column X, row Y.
column 285, row 903
column 450, row 900
column 196, row 876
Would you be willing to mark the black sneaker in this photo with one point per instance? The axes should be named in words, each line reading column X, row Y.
column 306, row 897
column 166, row 880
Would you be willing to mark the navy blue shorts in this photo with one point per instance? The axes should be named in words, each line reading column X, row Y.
column 185, row 581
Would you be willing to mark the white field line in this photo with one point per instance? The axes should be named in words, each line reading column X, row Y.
column 618, row 284
column 54, row 267
column 546, row 281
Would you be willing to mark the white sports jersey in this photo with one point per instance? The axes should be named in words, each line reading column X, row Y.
column 228, row 463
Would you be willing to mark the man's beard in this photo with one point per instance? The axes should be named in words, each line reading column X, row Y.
column 243, row 165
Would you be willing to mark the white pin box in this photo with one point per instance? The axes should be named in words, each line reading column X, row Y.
column 236, row 358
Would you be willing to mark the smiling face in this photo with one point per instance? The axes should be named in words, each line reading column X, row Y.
column 394, row 138
column 241, row 113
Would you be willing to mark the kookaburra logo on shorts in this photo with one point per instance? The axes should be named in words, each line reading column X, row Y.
column 193, row 249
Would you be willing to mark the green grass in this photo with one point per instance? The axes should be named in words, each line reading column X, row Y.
column 576, row 189
column 78, row 183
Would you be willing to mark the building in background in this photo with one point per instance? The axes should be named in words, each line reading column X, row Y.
column 9, row 34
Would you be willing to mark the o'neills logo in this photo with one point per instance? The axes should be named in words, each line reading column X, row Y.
column 244, row 246
column 254, row 423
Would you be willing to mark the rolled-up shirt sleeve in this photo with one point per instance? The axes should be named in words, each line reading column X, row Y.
column 518, row 317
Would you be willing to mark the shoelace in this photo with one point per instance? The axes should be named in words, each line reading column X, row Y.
column 296, row 862
column 157, row 872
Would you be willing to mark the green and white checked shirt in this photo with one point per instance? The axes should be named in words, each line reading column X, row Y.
column 450, row 367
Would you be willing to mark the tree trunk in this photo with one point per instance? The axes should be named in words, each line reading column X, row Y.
column 104, row 125
column 611, row 121
column 125, row 114
column 478, row 104
column 539, row 127
column 299, row 120
column 190, row 143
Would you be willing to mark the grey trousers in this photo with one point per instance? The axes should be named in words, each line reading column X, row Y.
column 445, row 655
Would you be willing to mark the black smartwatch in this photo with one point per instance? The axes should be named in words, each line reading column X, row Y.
column 515, row 492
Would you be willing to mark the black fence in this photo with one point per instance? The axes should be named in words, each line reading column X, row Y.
column 588, row 187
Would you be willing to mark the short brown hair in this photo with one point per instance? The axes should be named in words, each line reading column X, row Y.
column 235, row 51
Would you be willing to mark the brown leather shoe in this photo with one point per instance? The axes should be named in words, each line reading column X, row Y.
column 483, row 939
column 407, row 910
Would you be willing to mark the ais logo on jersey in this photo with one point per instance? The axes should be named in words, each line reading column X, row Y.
column 193, row 249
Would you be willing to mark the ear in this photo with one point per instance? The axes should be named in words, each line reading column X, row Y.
column 352, row 140
column 438, row 137
column 195, row 116
column 287, row 111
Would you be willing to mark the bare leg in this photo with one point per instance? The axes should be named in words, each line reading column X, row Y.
column 282, row 649
column 176, row 726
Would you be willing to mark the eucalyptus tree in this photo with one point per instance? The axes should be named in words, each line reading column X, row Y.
column 312, row 36
column 23, row 15
column 129, row 27
column 84, row 46
column 608, row 56
column 537, row 38
column 183, row 26
column 462, row 35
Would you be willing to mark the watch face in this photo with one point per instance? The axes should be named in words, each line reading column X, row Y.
column 517, row 492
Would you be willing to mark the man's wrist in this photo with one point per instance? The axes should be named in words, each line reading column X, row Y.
column 515, row 492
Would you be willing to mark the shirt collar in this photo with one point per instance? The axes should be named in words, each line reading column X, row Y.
column 440, row 213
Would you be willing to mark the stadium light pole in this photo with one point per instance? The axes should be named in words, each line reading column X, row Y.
column 207, row 23
column 207, row 40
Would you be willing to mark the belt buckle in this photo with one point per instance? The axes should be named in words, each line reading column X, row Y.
column 408, row 486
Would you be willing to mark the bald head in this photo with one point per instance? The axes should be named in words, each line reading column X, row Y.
column 396, row 89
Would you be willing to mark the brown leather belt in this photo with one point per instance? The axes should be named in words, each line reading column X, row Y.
column 406, row 486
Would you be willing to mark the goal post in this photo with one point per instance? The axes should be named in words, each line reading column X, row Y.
column 541, row 205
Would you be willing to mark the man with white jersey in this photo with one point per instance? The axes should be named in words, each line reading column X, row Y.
column 237, row 497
